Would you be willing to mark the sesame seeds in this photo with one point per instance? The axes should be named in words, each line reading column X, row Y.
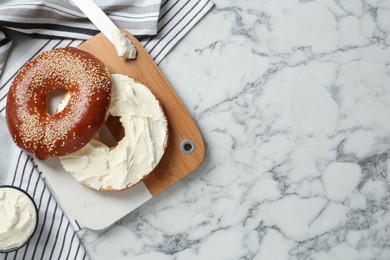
column 84, row 77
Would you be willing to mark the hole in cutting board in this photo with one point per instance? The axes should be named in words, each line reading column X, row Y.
column 53, row 99
column 187, row 146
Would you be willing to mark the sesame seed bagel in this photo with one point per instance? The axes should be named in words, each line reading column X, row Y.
column 88, row 85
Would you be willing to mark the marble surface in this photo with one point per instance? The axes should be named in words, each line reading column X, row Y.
column 293, row 99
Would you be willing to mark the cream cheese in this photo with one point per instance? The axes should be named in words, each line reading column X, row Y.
column 18, row 218
column 123, row 45
column 103, row 168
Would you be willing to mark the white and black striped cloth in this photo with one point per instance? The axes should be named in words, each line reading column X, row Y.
column 59, row 18
column 56, row 234
column 55, row 237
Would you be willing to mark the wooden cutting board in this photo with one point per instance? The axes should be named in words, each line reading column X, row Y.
column 175, row 163
column 98, row 210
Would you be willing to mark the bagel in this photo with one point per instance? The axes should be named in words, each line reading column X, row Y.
column 105, row 168
column 88, row 85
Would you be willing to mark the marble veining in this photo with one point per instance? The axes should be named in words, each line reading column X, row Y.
column 293, row 101
column 292, row 98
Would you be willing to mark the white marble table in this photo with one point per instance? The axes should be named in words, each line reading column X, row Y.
column 293, row 100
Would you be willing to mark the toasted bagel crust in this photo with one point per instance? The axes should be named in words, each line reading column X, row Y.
column 85, row 79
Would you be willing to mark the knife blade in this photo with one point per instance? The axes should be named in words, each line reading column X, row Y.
column 96, row 15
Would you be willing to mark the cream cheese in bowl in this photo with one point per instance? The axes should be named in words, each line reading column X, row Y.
column 18, row 218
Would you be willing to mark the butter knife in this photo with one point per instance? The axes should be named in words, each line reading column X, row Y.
column 96, row 15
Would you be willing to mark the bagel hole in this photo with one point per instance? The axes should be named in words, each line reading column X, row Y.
column 112, row 132
column 53, row 100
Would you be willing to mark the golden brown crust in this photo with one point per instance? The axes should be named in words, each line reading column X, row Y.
column 44, row 135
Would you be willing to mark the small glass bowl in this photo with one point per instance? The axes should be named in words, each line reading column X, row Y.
column 36, row 219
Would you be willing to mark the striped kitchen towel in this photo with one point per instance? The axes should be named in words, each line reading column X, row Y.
column 59, row 18
column 56, row 236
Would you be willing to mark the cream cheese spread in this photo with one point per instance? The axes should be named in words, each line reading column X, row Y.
column 18, row 218
column 123, row 45
column 103, row 168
